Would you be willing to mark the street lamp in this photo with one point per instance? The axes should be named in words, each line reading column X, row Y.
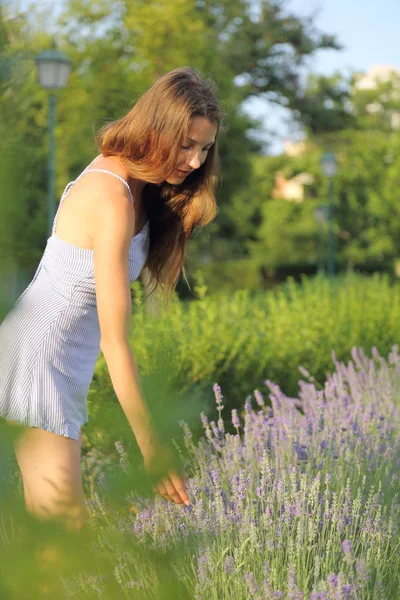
column 329, row 167
column 321, row 217
column 53, row 72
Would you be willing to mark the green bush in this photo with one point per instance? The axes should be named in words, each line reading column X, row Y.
column 226, row 276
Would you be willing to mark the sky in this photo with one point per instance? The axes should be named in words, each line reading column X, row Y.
column 367, row 28
column 369, row 32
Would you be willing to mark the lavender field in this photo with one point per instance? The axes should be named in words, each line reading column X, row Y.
column 301, row 503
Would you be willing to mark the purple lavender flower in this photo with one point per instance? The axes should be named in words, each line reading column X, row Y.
column 346, row 545
column 247, row 404
column 218, row 395
column 240, row 485
column 346, row 590
column 229, row 564
column 301, row 450
column 202, row 570
column 293, row 591
column 215, row 477
column 221, row 427
column 272, row 437
column 259, row 398
column 362, row 571
column 204, row 419
column 235, row 418
column 214, row 429
column 305, row 372
column 388, row 454
column 251, row 583
column 119, row 447
column 333, row 580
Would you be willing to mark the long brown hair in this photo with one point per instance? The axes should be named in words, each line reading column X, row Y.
column 148, row 140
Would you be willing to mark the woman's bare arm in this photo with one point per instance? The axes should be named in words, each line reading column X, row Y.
column 112, row 228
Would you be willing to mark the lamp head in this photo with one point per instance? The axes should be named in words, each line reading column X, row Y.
column 53, row 68
column 329, row 164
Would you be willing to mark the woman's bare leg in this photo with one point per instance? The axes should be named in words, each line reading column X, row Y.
column 50, row 466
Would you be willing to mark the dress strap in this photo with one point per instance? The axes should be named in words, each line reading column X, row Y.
column 90, row 164
column 115, row 175
column 65, row 192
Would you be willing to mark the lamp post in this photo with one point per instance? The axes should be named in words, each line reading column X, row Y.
column 329, row 167
column 321, row 215
column 53, row 71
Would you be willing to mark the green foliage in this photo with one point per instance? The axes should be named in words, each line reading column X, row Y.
column 17, row 222
column 377, row 106
column 23, row 148
column 324, row 105
column 365, row 212
column 288, row 234
column 227, row 276
column 366, row 197
column 40, row 559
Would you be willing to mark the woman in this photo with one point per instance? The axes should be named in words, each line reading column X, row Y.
column 134, row 207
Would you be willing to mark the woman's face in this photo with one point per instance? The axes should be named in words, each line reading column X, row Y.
column 199, row 139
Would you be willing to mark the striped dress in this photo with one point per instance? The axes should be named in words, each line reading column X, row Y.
column 50, row 339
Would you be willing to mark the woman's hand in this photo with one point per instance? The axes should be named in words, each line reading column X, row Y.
column 158, row 461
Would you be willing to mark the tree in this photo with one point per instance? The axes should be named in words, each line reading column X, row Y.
column 375, row 100
column 324, row 105
column 366, row 213
column 22, row 205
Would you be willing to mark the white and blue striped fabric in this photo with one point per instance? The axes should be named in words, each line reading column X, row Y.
column 50, row 339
